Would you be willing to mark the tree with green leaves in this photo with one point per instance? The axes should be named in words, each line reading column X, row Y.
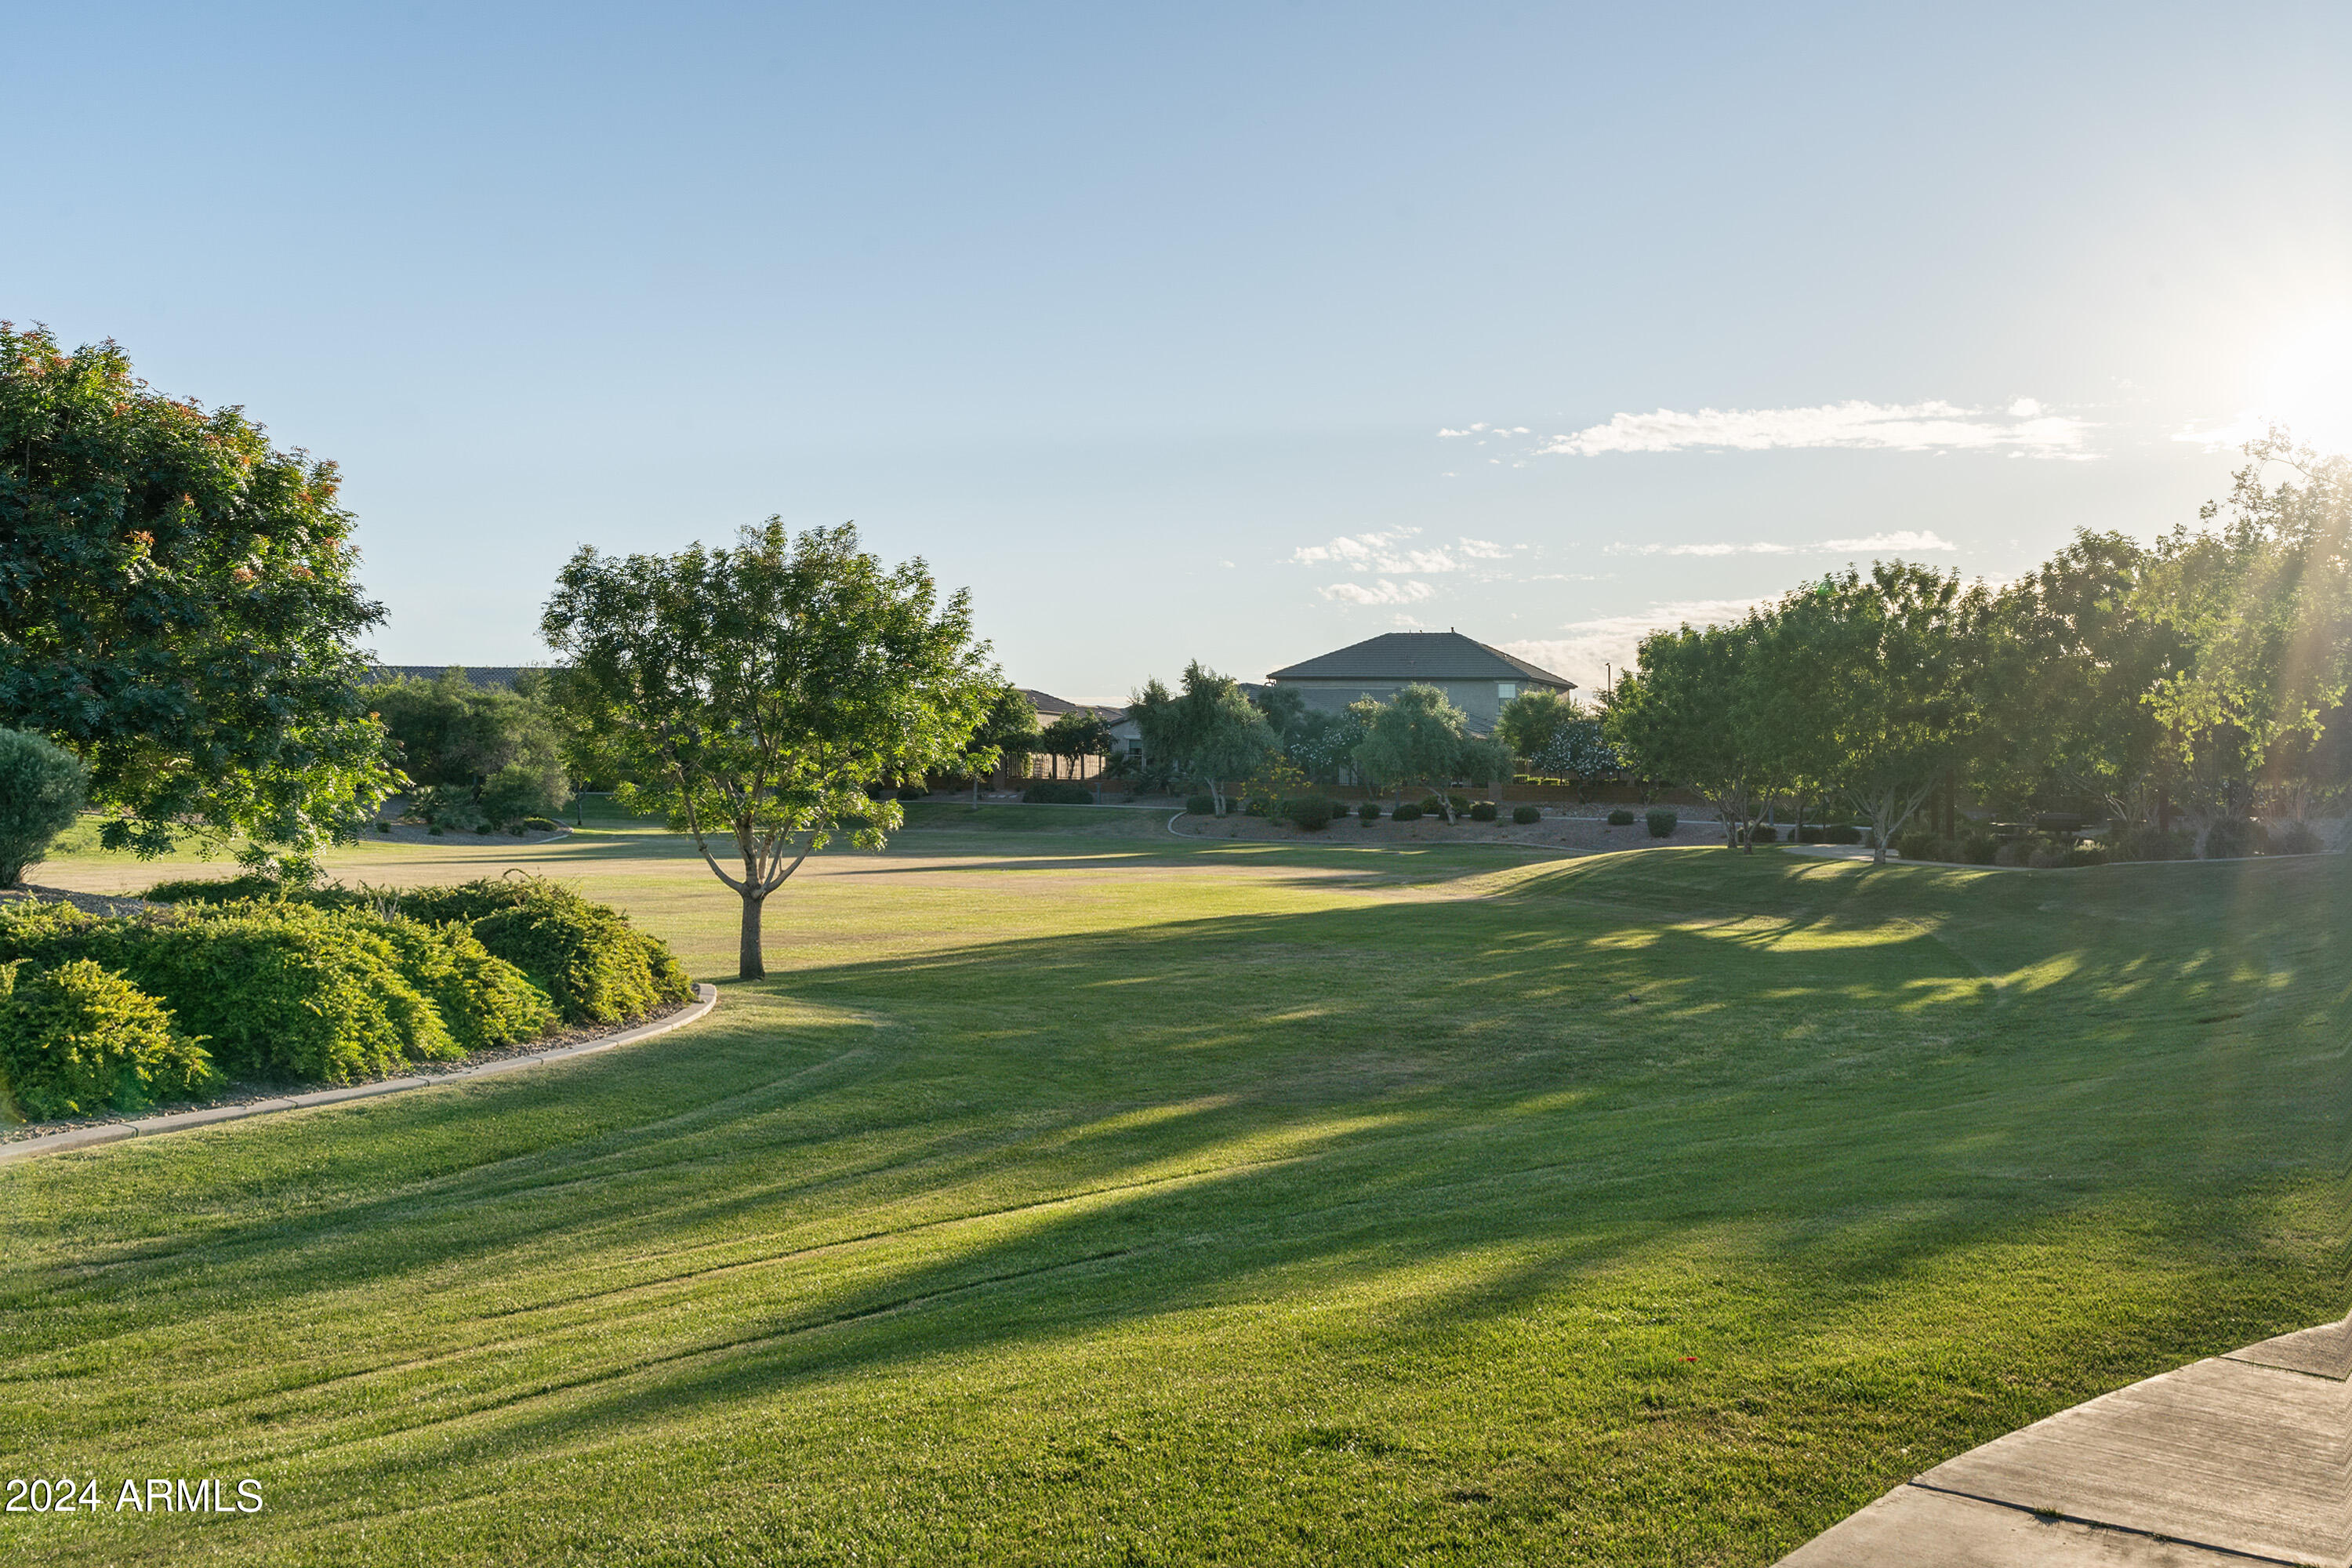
column 1208, row 733
column 495, row 753
column 1532, row 721
column 1006, row 737
column 1686, row 716
column 1898, row 657
column 1419, row 736
column 177, row 608
column 761, row 690
column 1073, row 737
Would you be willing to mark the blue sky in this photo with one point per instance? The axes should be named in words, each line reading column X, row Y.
column 1146, row 323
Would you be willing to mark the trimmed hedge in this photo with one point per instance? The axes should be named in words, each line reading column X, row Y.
column 1524, row 815
column 1370, row 811
column 1406, row 811
column 216, row 890
column 1312, row 813
column 1049, row 792
column 1841, row 833
column 1621, row 818
column 1763, row 832
column 1662, row 823
column 1484, row 811
column 1200, row 806
column 586, row 956
column 79, row 1039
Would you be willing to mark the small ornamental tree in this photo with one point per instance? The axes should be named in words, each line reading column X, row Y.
column 1416, row 737
column 758, row 691
column 1006, row 737
column 41, row 790
column 1075, row 736
column 1208, row 733
column 177, row 609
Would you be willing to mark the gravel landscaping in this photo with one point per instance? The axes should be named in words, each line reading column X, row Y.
column 1583, row 833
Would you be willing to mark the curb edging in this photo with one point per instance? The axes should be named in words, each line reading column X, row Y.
column 706, row 998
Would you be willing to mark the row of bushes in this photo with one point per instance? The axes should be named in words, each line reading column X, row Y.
column 2230, row 839
column 1046, row 792
column 327, row 986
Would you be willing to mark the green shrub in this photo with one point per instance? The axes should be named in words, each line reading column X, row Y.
column 1312, row 813
column 913, row 792
column 79, row 1039
column 2293, row 838
column 384, row 827
column 1051, row 792
column 1370, row 811
column 213, row 890
column 1841, row 833
column 1200, row 806
column 541, row 824
column 520, row 789
column 1522, row 815
column 2087, row 855
column 2230, row 839
column 1662, row 823
column 1621, row 818
column 1483, row 811
column 1407, row 811
column 483, row 1001
column 2016, row 851
column 1809, row 833
column 1978, row 849
column 281, row 989
column 2143, row 842
column 1763, row 832
column 596, row 967
column 1919, row 844
column 42, row 787
column 436, row 830
column 2050, row 854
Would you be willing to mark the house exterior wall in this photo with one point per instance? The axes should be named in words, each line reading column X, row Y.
column 1480, row 701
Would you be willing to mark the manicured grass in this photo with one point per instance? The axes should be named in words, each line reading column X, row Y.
column 1074, row 1193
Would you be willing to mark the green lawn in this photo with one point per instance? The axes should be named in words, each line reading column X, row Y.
column 1074, row 1194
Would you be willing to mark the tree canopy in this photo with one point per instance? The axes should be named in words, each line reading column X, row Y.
column 1208, row 733
column 761, row 691
column 178, row 609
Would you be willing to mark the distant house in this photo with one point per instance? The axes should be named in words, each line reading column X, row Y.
column 1477, row 679
column 1050, row 708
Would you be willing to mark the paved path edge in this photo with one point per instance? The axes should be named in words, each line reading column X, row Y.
column 706, row 998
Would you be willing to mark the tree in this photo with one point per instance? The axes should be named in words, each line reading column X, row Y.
column 41, row 792
column 1690, row 715
column 455, row 738
column 1576, row 749
column 1074, row 735
column 1208, row 733
column 1531, row 721
column 2263, row 607
column 1417, row 737
column 761, row 689
column 177, row 609
column 2073, row 656
column 1006, row 736
column 1897, row 656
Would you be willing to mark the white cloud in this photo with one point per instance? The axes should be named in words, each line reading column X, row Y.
column 1484, row 429
column 1483, row 550
column 1907, row 539
column 1383, row 592
column 1758, row 547
column 2022, row 427
column 2250, row 425
column 1376, row 552
column 1590, row 645
column 1903, row 539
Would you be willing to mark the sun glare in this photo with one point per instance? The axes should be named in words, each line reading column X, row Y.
column 2308, row 385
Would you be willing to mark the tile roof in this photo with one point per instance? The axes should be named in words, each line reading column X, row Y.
column 1419, row 656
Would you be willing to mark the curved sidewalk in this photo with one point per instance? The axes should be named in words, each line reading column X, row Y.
column 706, row 998
column 2237, row 1459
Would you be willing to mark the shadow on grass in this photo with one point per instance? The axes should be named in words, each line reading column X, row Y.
column 1824, row 1088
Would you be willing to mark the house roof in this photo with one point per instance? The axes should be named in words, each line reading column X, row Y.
column 1420, row 656
column 1050, row 707
column 482, row 675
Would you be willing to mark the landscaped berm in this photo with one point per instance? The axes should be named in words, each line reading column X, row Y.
column 1071, row 1193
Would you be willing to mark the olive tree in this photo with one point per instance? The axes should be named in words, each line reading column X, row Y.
column 760, row 691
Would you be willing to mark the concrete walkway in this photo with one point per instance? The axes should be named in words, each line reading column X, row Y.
column 706, row 998
column 2240, row 1458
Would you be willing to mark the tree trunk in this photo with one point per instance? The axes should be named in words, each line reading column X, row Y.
column 752, row 963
